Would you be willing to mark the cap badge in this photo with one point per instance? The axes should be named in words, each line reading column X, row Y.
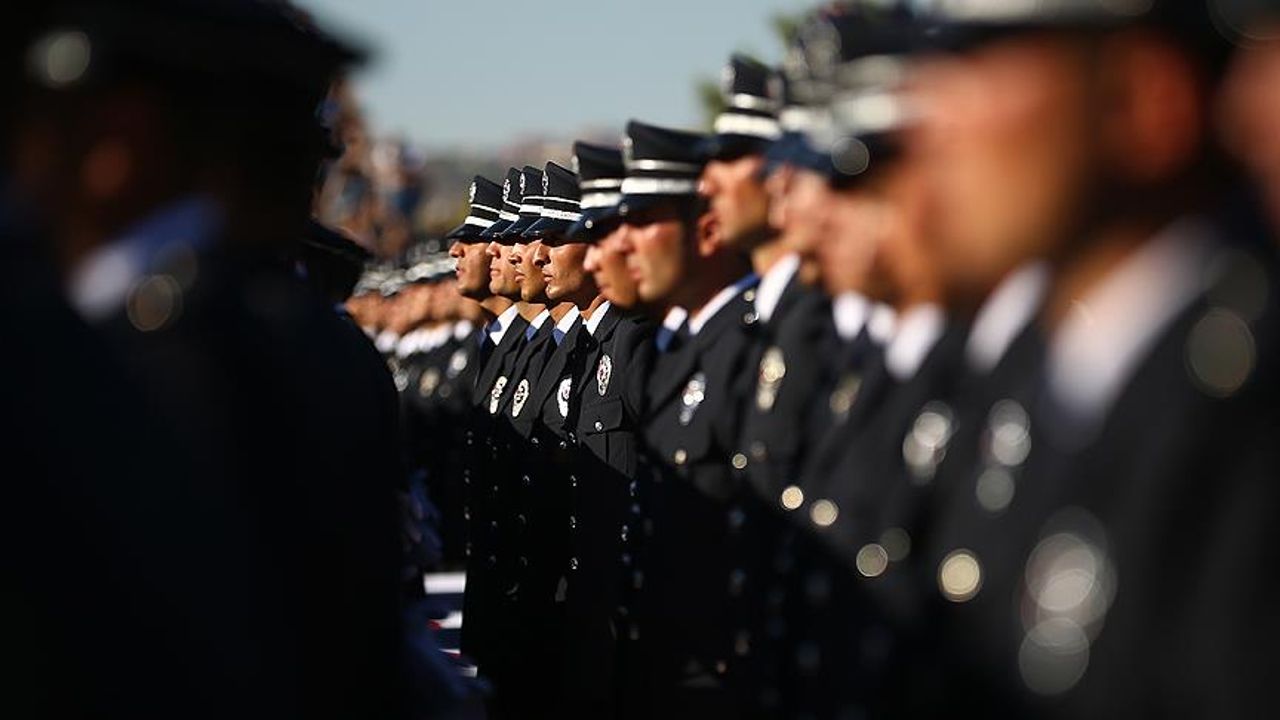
column 519, row 398
column 428, row 383
column 562, row 396
column 457, row 363
column 495, row 395
column 604, row 371
column 694, row 394
column 773, row 367
column 844, row 395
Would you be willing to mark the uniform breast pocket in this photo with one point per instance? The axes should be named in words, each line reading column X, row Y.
column 603, row 417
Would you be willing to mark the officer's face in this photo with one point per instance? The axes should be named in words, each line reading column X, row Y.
column 858, row 221
column 608, row 266
column 807, row 201
column 1251, row 113
column 528, row 277
column 738, row 198
column 564, row 272
column 473, row 268
column 658, row 251
column 1004, row 144
column 502, row 274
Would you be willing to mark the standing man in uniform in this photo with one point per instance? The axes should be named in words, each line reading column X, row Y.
column 176, row 186
column 601, row 635
column 1136, row 449
column 676, row 252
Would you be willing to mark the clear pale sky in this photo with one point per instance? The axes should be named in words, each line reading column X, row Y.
column 477, row 73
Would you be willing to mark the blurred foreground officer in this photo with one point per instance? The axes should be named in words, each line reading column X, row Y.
column 677, row 254
column 175, row 185
column 611, row 405
column 780, row 375
column 105, row 501
column 1111, row 560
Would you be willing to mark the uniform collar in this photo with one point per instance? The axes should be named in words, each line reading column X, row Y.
column 386, row 341
column 699, row 320
column 498, row 328
column 773, row 284
column 566, row 323
column 102, row 280
column 598, row 317
column 849, row 312
column 671, row 324
column 536, row 324
column 1004, row 315
column 1109, row 331
column 918, row 331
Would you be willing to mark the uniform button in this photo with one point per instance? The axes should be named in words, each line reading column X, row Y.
column 722, row 667
column 564, row 445
column 758, row 451
column 493, row 524
column 599, row 426
column 681, row 456
column 750, row 318
column 792, row 498
column 737, row 518
column 573, row 522
column 524, row 561
column 493, row 560
column 573, row 563
column 737, row 581
column 573, row 481
column 960, row 576
column 522, row 520
column 808, row 657
column 742, row 643
column 824, row 513
column 633, row 488
column 535, row 442
column 626, row 559
column 625, row 530
column 637, row 579
column 739, row 461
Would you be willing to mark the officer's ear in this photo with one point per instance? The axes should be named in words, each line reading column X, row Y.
column 709, row 238
column 1153, row 117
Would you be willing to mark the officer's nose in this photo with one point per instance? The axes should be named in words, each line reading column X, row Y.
column 456, row 250
column 493, row 250
column 592, row 262
column 517, row 254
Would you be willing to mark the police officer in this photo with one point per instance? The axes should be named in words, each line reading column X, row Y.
column 677, row 254
column 611, row 400
column 1085, row 478
column 783, row 369
column 181, row 267
column 492, row 208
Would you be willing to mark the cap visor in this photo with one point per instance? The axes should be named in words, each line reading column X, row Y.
column 548, row 226
column 595, row 223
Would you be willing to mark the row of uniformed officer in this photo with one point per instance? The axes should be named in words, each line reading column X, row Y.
column 936, row 398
